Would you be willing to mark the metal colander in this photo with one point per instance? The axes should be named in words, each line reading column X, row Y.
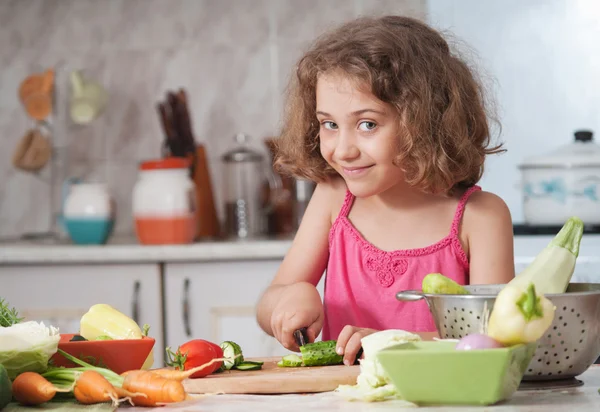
column 567, row 349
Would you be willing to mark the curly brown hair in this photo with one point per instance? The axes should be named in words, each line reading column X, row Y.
column 443, row 115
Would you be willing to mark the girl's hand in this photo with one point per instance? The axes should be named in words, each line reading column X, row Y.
column 348, row 342
column 300, row 306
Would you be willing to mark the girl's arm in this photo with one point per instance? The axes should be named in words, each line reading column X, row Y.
column 488, row 229
column 292, row 297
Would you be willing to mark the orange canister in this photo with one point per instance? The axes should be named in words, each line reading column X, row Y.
column 164, row 202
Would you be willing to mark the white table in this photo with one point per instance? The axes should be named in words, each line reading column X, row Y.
column 580, row 399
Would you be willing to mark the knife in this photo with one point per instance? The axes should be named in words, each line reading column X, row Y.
column 301, row 337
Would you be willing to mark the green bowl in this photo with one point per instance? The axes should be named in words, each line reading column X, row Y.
column 434, row 373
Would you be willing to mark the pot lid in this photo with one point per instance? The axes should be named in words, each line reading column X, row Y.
column 583, row 151
column 242, row 153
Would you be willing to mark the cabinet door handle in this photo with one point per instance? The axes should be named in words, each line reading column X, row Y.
column 135, row 310
column 186, row 307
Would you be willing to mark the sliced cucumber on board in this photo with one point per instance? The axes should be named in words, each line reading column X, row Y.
column 290, row 361
column 321, row 354
column 249, row 366
column 231, row 350
column 314, row 354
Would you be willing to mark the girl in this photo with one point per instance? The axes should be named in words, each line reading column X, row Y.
column 392, row 126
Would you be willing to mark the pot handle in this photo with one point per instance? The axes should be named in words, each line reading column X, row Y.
column 410, row 295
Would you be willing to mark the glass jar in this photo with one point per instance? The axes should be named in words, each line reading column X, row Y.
column 248, row 190
column 164, row 202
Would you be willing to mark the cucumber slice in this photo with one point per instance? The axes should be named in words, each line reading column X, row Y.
column 260, row 363
column 230, row 350
column 290, row 361
column 249, row 366
column 321, row 354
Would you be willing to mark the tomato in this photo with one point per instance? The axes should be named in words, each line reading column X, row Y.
column 198, row 352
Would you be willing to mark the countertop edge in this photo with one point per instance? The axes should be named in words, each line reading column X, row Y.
column 128, row 251
column 32, row 254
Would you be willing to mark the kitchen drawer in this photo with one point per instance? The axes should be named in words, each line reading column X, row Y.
column 217, row 302
column 60, row 295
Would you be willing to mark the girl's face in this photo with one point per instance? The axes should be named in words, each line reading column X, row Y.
column 358, row 135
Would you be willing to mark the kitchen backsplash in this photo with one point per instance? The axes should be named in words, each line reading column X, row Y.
column 232, row 56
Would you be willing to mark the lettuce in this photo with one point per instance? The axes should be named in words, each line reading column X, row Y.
column 27, row 347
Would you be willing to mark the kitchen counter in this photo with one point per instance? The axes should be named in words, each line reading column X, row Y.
column 580, row 399
column 128, row 250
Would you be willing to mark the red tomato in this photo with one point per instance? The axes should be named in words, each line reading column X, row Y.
column 200, row 352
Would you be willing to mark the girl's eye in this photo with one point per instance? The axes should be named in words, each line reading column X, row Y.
column 367, row 126
column 329, row 125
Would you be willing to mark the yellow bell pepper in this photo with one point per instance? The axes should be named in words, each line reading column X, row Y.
column 520, row 316
column 103, row 321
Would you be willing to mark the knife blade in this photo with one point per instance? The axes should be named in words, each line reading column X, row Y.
column 301, row 337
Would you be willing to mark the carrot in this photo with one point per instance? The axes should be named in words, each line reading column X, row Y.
column 31, row 388
column 158, row 390
column 128, row 396
column 177, row 375
column 91, row 388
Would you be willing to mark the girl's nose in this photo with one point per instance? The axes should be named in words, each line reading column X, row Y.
column 346, row 148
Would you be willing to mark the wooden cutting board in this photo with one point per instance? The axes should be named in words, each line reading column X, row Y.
column 273, row 379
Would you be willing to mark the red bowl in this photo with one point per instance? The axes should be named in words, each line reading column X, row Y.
column 118, row 355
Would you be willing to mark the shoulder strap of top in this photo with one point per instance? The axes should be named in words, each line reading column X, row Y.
column 348, row 201
column 461, row 208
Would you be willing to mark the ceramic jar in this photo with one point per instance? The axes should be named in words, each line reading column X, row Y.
column 563, row 183
column 88, row 212
column 164, row 202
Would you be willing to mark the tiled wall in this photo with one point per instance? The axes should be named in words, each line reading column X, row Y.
column 232, row 56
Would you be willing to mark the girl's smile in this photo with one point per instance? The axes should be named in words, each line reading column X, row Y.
column 355, row 172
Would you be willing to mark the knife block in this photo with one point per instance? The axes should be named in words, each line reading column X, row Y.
column 207, row 221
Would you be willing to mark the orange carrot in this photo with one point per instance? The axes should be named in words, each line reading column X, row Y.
column 177, row 375
column 125, row 395
column 30, row 388
column 158, row 390
column 160, row 385
column 91, row 387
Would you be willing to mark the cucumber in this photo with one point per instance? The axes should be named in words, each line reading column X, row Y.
column 290, row 361
column 253, row 362
column 320, row 354
column 249, row 366
column 5, row 388
column 230, row 350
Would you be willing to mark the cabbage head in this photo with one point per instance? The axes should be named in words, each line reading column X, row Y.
column 27, row 347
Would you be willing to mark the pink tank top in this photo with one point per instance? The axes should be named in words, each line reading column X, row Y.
column 362, row 281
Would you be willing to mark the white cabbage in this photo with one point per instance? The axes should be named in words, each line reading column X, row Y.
column 27, row 347
column 372, row 383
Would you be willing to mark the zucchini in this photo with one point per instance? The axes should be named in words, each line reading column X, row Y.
column 230, row 350
column 249, row 366
column 320, row 354
column 5, row 388
column 290, row 361
column 553, row 267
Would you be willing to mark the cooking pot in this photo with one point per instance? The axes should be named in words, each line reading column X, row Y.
column 563, row 183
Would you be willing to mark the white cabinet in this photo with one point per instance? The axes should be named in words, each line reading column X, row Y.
column 60, row 295
column 216, row 301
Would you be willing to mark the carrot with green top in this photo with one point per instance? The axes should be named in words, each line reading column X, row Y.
column 145, row 387
column 31, row 388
